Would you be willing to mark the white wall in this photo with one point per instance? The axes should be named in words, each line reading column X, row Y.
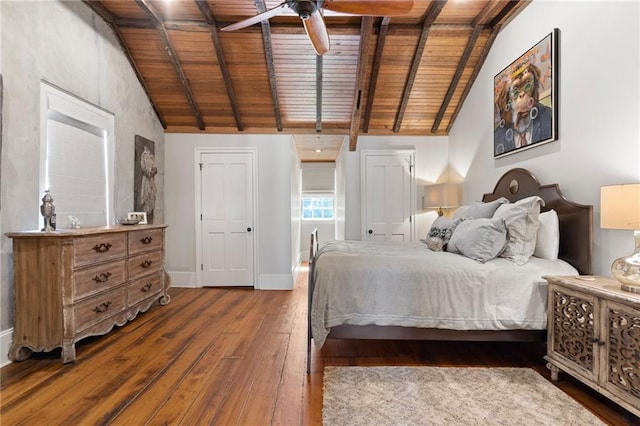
column 599, row 138
column 274, row 227
column 296, row 210
column 431, row 166
column 65, row 44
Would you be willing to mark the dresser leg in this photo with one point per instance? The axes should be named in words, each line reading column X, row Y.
column 554, row 371
column 19, row 353
column 69, row 353
column 165, row 299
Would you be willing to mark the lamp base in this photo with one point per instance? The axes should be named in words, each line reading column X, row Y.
column 631, row 288
column 627, row 269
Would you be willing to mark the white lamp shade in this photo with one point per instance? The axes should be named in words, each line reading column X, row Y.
column 441, row 195
column 620, row 206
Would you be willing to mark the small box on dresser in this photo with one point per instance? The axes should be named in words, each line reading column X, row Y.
column 594, row 335
column 71, row 284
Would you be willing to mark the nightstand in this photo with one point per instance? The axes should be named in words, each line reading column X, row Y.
column 594, row 335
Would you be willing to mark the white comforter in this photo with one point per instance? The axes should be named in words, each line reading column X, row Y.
column 406, row 284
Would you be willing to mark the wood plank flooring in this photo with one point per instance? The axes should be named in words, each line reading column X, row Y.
column 228, row 356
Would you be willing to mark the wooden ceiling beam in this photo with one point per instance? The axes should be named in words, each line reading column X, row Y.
column 477, row 25
column 276, row 28
column 432, row 13
column 203, row 6
column 375, row 71
column 110, row 19
column 153, row 14
column 363, row 65
column 271, row 69
column 496, row 26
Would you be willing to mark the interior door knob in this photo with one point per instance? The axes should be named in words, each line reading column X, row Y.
column 370, row 231
column 249, row 229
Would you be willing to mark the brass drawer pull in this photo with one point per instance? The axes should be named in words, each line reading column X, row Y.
column 146, row 287
column 103, row 307
column 146, row 240
column 146, row 263
column 100, row 278
column 101, row 248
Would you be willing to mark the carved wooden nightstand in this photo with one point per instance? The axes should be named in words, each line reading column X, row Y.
column 594, row 335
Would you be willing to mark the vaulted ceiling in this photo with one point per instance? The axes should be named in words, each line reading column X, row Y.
column 400, row 75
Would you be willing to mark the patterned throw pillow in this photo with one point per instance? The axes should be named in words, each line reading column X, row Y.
column 440, row 232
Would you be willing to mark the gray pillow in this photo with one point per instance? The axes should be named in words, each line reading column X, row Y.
column 441, row 232
column 522, row 219
column 479, row 239
column 478, row 209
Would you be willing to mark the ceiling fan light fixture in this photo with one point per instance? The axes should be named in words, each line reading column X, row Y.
column 304, row 8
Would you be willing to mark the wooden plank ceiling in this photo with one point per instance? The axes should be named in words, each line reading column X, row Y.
column 404, row 75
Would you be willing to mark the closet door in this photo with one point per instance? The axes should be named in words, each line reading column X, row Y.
column 388, row 200
column 227, row 215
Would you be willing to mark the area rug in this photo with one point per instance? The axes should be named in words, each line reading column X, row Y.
column 446, row 396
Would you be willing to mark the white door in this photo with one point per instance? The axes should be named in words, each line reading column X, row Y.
column 227, row 219
column 388, row 196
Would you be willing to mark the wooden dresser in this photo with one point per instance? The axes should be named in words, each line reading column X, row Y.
column 594, row 335
column 71, row 284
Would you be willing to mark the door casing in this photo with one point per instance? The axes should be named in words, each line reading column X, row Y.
column 409, row 154
column 198, row 207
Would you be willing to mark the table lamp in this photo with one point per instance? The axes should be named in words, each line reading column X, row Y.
column 441, row 196
column 620, row 209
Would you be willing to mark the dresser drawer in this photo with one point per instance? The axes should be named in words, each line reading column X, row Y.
column 145, row 240
column 100, row 307
column 97, row 278
column 143, row 288
column 144, row 264
column 98, row 248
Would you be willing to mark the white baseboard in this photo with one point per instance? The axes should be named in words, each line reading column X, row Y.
column 275, row 282
column 265, row 281
column 183, row 279
column 6, row 338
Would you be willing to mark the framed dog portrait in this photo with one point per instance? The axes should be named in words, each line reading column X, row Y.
column 525, row 99
column 141, row 216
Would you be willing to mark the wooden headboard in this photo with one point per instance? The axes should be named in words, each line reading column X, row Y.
column 576, row 220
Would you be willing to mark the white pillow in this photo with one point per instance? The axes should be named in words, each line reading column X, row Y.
column 522, row 222
column 479, row 209
column 548, row 237
column 479, row 239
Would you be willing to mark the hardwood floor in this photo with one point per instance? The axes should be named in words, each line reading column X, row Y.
column 228, row 356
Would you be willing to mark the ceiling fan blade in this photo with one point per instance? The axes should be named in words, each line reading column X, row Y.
column 258, row 18
column 317, row 32
column 370, row 7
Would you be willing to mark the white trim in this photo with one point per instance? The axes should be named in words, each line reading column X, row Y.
column 59, row 105
column 276, row 282
column 198, row 208
column 411, row 152
column 183, row 279
column 6, row 338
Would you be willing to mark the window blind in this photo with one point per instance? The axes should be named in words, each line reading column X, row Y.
column 318, row 177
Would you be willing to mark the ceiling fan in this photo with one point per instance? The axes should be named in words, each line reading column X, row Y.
column 310, row 13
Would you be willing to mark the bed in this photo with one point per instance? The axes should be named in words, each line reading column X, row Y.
column 406, row 291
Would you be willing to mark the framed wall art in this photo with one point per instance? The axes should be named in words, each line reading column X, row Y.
column 144, row 173
column 525, row 99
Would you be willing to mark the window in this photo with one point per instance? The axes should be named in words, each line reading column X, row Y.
column 317, row 182
column 317, row 208
column 76, row 157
